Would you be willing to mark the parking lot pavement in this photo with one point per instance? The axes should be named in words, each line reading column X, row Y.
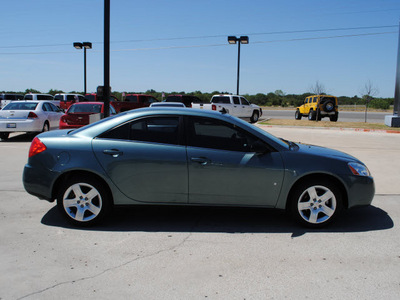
column 204, row 253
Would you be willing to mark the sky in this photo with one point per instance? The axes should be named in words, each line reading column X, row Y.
column 181, row 45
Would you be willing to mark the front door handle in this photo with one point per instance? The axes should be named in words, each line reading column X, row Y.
column 113, row 152
column 201, row 160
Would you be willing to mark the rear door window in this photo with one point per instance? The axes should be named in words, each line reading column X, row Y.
column 164, row 130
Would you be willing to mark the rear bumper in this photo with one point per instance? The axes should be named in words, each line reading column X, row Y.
column 28, row 125
column 39, row 182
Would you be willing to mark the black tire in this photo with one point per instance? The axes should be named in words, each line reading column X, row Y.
column 297, row 115
column 312, row 115
column 316, row 203
column 254, row 117
column 334, row 118
column 84, row 201
column 4, row 135
column 318, row 116
column 46, row 127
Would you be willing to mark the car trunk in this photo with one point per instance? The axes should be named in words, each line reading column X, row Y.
column 77, row 118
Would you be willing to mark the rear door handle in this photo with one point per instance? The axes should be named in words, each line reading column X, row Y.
column 113, row 152
column 201, row 160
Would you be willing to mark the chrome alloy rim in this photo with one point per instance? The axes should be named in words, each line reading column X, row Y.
column 317, row 204
column 82, row 202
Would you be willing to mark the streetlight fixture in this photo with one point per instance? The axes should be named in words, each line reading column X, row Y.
column 84, row 45
column 240, row 40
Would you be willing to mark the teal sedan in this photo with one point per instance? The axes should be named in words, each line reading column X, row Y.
column 180, row 156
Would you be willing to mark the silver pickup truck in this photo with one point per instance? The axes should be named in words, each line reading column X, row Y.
column 234, row 105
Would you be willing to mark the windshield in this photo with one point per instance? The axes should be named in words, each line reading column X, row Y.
column 21, row 106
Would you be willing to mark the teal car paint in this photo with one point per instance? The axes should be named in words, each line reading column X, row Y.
column 180, row 156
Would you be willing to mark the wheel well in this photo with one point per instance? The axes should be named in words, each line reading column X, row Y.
column 319, row 176
column 68, row 175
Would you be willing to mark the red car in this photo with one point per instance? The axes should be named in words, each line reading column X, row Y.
column 78, row 114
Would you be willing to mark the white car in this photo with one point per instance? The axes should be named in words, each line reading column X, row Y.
column 28, row 116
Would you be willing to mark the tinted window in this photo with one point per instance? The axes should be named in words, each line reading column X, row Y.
column 20, row 106
column 28, row 97
column 90, row 97
column 44, row 97
column 236, row 100
column 11, row 97
column 70, row 97
column 85, row 108
column 244, row 101
column 163, row 130
column 132, row 99
column 58, row 97
column 221, row 99
column 173, row 99
column 81, row 98
column 216, row 134
column 54, row 108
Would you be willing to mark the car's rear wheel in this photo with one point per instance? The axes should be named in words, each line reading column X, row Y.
column 46, row 127
column 297, row 115
column 4, row 135
column 83, row 201
column 316, row 203
column 254, row 117
column 334, row 117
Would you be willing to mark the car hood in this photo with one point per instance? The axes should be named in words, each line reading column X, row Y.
column 324, row 152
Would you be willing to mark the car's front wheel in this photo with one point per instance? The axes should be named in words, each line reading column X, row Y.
column 254, row 117
column 83, row 200
column 316, row 203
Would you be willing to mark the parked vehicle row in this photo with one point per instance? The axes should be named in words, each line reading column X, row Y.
column 80, row 111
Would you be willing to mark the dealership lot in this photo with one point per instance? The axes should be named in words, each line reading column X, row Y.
column 204, row 253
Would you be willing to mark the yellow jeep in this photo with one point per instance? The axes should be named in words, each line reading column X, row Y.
column 316, row 107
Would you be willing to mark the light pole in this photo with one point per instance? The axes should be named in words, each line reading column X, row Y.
column 84, row 45
column 240, row 40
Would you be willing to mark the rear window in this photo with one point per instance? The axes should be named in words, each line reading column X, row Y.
column 221, row 99
column 44, row 97
column 133, row 99
column 85, row 108
column 12, row 97
column 90, row 97
column 173, row 99
column 21, row 106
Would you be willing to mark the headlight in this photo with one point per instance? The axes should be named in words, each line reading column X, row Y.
column 358, row 169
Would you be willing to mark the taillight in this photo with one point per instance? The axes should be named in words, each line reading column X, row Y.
column 213, row 107
column 36, row 147
column 32, row 115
